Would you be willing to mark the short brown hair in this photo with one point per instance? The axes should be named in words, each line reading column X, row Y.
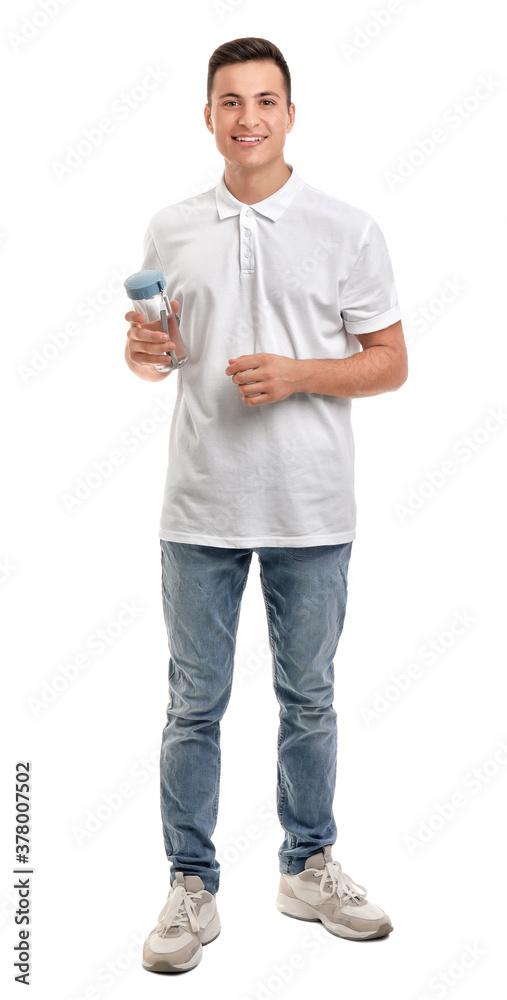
column 244, row 50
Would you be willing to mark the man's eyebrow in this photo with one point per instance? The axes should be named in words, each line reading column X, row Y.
column 264, row 93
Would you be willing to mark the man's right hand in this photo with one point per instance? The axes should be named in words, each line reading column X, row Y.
column 146, row 342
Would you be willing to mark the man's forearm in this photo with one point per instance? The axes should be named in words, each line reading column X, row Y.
column 147, row 372
column 367, row 373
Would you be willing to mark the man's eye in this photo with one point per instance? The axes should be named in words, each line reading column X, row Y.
column 267, row 101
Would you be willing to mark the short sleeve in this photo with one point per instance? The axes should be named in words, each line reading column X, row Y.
column 369, row 300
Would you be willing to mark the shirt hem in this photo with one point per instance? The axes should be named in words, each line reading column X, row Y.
column 256, row 541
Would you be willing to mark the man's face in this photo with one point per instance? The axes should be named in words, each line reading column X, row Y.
column 258, row 109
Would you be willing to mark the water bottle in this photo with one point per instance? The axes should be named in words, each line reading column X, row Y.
column 149, row 285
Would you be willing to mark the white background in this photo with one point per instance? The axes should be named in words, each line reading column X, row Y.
column 424, row 553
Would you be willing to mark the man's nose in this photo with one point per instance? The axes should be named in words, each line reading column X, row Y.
column 249, row 116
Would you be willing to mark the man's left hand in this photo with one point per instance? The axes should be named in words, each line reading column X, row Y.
column 264, row 378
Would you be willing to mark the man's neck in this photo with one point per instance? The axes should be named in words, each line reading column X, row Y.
column 251, row 186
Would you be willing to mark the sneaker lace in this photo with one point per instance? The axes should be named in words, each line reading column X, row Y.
column 340, row 883
column 178, row 908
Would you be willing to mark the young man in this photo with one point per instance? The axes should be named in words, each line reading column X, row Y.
column 276, row 285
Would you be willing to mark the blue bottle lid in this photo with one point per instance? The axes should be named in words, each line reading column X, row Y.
column 144, row 284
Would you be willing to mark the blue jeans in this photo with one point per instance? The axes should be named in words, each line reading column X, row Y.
column 305, row 593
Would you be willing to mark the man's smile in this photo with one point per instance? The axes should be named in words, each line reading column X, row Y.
column 249, row 140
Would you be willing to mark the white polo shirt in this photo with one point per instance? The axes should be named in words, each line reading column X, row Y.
column 297, row 274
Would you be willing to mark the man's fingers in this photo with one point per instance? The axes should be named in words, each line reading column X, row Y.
column 146, row 345
column 140, row 322
column 151, row 347
column 150, row 359
column 143, row 336
column 134, row 317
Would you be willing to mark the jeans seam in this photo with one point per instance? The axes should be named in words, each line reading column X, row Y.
column 275, row 685
column 217, row 724
column 217, row 793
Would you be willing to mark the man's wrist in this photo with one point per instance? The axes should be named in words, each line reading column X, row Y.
column 302, row 374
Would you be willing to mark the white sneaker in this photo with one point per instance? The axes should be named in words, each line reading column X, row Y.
column 323, row 892
column 188, row 920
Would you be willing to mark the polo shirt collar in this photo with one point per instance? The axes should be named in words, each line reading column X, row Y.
column 272, row 207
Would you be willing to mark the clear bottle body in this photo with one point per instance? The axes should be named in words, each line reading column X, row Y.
column 178, row 356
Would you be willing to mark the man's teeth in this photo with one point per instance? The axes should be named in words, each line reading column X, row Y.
column 256, row 139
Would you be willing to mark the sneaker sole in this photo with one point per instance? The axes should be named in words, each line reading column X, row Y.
column 208, row 935
column 300, row 910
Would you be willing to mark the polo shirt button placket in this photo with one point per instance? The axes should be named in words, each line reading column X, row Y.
column 247, row 262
